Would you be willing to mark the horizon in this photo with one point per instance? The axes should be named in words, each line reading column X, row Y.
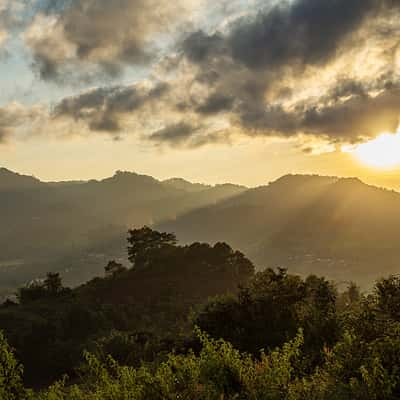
column 161, row 180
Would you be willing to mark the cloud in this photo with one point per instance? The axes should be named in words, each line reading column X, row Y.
column 3, row 37
column 12, row 14
column 17, row 120
column 103, row 109
column 100, row 37
column 216, row 103
column 303, row 67
column 294, row 69
column 291, row 33
column 174, row 134
column 188, row 135
column 6, row 22
column 300, row 32
column 339, row 119
column 199, row 46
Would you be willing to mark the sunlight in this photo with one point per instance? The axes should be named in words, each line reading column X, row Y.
column 381, row 152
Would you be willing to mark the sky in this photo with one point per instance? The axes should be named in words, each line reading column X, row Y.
column 212, row 91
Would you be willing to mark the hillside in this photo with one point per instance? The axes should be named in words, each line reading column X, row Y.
column 51, row 325
column 341, row 228
column 152, row 331
column 75, row 227
column 12, row 181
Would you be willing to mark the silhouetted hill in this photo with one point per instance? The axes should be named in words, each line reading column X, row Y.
column 12, row 181
column 341, row 228
column 76, row 224
column 52, row 325
column 179, row 183
column 338, row 227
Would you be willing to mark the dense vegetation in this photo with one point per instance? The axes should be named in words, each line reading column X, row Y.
column 151, row 331
column 146, row 305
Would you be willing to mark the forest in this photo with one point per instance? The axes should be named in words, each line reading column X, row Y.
column 198, row 322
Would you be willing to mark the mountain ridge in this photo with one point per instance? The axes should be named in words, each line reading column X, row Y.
column 294, row 221
column 78, row 226
column 333, row 226
column 117, row 175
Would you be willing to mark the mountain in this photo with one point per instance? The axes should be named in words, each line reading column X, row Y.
column 10, row 180
column 179, row 183
column 338, row 227
column 79, row 224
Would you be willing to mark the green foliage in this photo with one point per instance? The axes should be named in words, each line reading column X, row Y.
column 136, row 315
column 270, row 311
column 217, row 372
column 11, row 386
column 144, row 241
column 388, row 294
column 276, row 337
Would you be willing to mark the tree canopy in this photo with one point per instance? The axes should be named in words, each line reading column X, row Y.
column 145, row 240
column 197, row 322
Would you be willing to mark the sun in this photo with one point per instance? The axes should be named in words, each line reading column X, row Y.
column 382, row 152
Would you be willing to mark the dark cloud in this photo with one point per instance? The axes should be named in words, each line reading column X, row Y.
column 102, row 36
column 249, row 65
column 189, row 135
column 360, row 116
column 293, row 68
column 102, row 108
column 349, row 119
column 175, row 134
column 293, row 33
column 301, row 32
column 216, row 103
column 199, row 46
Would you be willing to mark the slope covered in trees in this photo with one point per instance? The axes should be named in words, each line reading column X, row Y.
column 145, row 305
column 71, row 223
column 277, row 336
column 339, row 228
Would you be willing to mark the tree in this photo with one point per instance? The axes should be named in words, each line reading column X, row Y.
column 145, row 240
column 31, row 292
column 53, row 283
column 387, row 292
column 39, row 289
column 113, row 269
column 270, row 310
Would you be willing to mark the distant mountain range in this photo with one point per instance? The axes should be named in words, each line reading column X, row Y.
column 337, row 227
column 48, row 223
